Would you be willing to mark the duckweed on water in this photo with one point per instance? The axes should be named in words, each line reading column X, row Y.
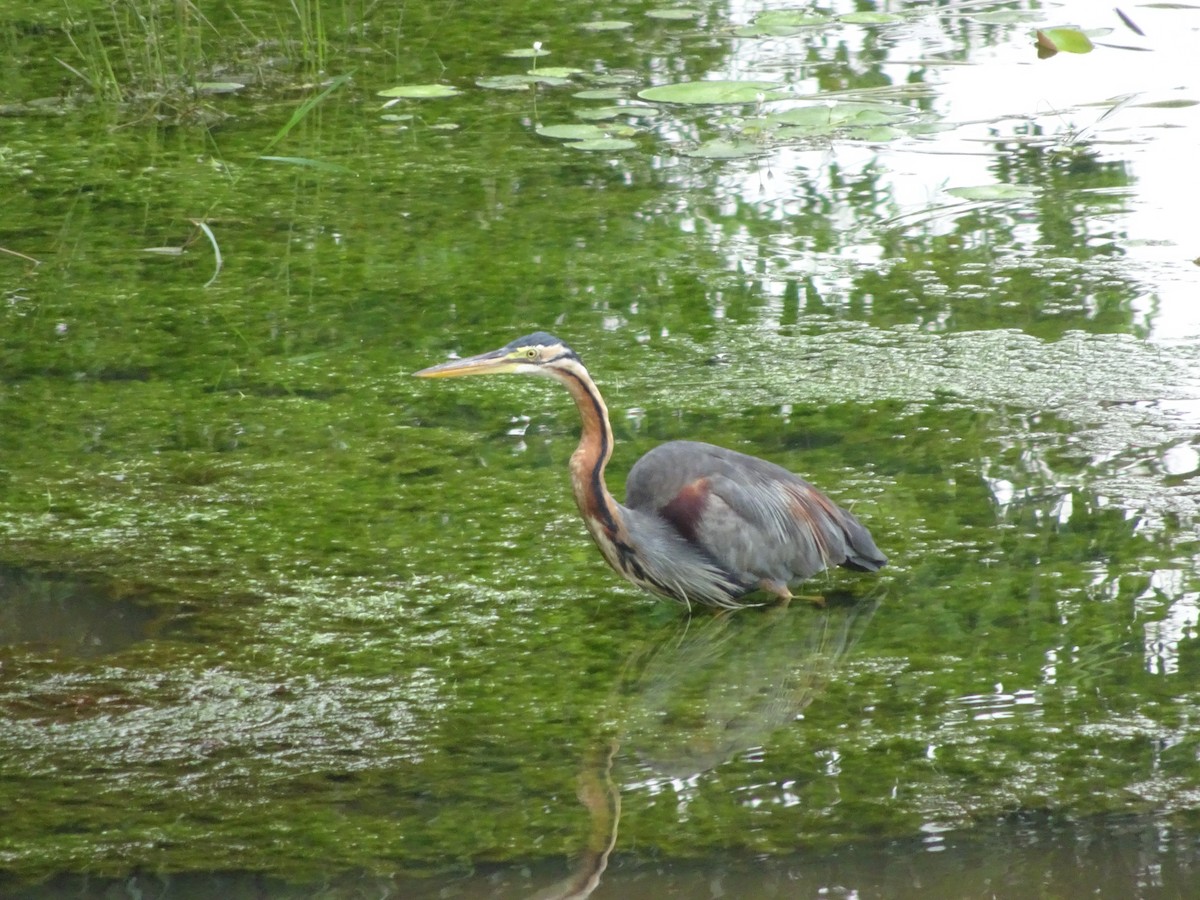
column 338, row 626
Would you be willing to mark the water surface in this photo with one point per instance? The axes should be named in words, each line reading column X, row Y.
column 290, row 618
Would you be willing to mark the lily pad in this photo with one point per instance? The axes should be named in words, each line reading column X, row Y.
column 1063, row 40
column 994, row 192
column 823, row 118
column 600, row 144
column 557, row 72
column 612, row 78
column 600, row 94
column 870, row 18
column 599, row 114
column 218, row 87
column 572, row 132
column 878, row 134
column 603, row 113
column 606, row 25
column 519, row 82
column 1167, row 104
column 781, row 23
column 721, row 148
column 505, row 82
column 419, row 91
column 525, row 53
column 710, row 93
column 674, row 14
column 547, row 80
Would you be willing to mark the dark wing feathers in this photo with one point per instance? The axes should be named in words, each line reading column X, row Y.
column 756, row 519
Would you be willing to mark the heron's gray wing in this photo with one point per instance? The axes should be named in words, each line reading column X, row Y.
column 757, row 519
column 669, row 564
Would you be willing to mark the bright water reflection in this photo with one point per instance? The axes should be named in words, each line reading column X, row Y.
column 1085, row 133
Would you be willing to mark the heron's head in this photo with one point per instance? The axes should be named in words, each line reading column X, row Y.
column 534, row 354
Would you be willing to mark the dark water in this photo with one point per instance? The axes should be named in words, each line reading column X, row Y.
column 73, row 618
column 277, row 619
column 1030, row 856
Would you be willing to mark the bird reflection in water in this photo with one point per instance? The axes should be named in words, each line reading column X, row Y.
column 701, row 693
column 700, row 524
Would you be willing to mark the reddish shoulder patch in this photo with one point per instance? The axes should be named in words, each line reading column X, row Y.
column 686, row 508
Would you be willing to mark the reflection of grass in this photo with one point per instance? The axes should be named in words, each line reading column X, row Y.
column 96, row 65
column 161, row 59
column 137, row 53
column 314, row 41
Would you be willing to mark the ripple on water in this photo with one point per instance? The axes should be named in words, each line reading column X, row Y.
column 994, row 707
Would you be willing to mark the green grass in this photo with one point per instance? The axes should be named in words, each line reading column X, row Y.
column 161, row 60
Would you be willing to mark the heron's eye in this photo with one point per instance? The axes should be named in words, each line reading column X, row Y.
column 531, row 353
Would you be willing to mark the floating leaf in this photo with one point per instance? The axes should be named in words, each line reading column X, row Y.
column 519, row 82
column 557, row 72
column 710, row 93
column 781, row 23
column 525, row 53
column 877, row 135
column 218, row 87
column 721, row 148
column 602, row 113
column 931, row 127
column 606, row 143
column 600, row 94
column 823, row 118
column 571, row 132
column 820, row 116
column 676, row 14
column 606, row 25
column 599, row 114
column 505, row 82
column 994, row 192
column 1167, row 104
column 612, row 78
column 1064, row 40
column 419, row 91
column 870, row 18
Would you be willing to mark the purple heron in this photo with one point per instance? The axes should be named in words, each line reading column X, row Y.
column 700, row 524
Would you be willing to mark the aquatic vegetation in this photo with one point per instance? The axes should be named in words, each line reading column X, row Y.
column 270, row 617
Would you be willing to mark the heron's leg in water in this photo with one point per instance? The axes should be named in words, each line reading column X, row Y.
column 785, row 595
column 778, row 588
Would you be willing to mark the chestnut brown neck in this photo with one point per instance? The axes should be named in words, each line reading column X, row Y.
column 596, row 504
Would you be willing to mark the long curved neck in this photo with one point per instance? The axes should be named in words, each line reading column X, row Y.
column 596, row 504
column 614, row 528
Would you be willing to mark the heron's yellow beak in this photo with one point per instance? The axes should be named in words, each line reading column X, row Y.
column 496, row 362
